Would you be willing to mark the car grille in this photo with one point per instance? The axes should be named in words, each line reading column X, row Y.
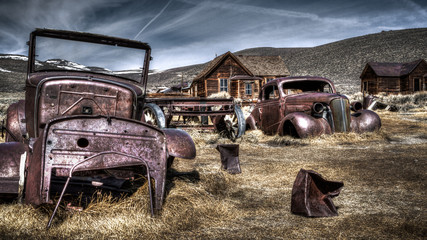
column 341, row 114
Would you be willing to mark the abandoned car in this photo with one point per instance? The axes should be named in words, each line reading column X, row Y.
column 83, row 115
column 308, row 106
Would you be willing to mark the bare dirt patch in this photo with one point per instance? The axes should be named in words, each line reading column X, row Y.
column 384, row 175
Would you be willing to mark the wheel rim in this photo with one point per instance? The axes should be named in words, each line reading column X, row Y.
column 150, row 117
column 232, row 126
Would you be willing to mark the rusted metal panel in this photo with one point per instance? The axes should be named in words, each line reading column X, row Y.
column 15, row 122
column 70, row 140
column 180, row 144
column 229, row 157
column 13, row 156
column 312, row 195
column 365, row 121
column 75, row 97
column 304, row 125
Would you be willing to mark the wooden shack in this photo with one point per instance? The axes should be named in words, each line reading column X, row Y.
column 394, row 78
column 240, row 76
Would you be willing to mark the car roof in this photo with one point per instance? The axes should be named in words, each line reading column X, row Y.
column 298, row 78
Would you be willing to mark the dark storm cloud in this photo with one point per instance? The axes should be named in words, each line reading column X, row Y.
column 185, row 32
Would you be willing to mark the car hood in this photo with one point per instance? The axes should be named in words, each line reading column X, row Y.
column 311, row 97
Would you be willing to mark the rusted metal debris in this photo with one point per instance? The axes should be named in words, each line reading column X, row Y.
column 308, row 106
column 219, row 114
column 229, row 157
column 370, row 102
column 312, row 195
column 86, row 123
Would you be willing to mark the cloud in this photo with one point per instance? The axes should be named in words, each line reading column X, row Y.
column 189, row 31
column 153, row 19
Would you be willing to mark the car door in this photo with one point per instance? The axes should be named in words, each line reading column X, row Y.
column 270, row 109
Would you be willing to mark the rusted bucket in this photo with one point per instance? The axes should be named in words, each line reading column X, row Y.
column 312, row 195
column 229, row 157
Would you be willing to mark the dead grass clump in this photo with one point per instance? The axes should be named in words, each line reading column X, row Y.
column 405, row 102
column 192, row 206
column 252, row 136
column 280, row 141
column 215, row 183
column 348, row 138
column 204, row 138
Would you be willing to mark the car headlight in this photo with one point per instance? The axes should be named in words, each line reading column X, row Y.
column 318, row 108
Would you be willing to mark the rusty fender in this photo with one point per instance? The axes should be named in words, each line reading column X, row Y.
column 15, row 122
column 13, row 158
column 365, row 121
column 305, row 125
column 250, row 123
column 179, row 143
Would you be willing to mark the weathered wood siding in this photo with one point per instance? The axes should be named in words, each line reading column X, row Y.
column 419, row 72
column 225, row 70
column 255, row 89
column 389, row 84
column 371, row 79
column 234, row 88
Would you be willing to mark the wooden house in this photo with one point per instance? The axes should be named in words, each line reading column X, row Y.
column 240, row 76
column 394, row 78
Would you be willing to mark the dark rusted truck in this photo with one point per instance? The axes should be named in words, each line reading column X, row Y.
column 308, row 106
column 83, row 115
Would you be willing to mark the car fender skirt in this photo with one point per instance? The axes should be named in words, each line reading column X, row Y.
column 179, row 143
column 365, row 121
column 305, row 125
column 13, row 157
column 250, row 123
column 15, row 122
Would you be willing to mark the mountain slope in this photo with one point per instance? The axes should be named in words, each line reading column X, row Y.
column 342, row 61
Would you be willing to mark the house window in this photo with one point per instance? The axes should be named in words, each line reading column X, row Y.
column 223, row 85
column 248, row 88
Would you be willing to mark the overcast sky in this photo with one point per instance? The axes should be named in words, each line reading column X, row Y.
column 184, row 32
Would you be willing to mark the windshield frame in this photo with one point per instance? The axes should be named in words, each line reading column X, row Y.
column 295, row 80
column 88, row 38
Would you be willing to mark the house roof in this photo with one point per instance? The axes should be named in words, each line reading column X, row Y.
column 265, row 65
column 253, row 65
column 244, row 77
column 392, row 69
column 210, row 66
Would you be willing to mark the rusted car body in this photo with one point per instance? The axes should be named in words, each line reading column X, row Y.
column 84, row 119
column 308, row 106
column 219, row 114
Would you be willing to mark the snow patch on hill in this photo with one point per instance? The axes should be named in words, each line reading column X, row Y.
column 4, row 70
column 14, row 57
column 64, row 64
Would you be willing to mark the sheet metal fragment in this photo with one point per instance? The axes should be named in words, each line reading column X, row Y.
column 312, row 195
column 229, row 157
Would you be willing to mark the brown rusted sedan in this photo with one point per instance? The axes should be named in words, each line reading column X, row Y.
column 83, row 115
column 308, row 106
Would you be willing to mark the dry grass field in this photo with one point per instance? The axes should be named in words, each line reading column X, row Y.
column 384, row 175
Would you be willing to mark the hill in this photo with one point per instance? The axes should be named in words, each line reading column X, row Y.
column 341, row 61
